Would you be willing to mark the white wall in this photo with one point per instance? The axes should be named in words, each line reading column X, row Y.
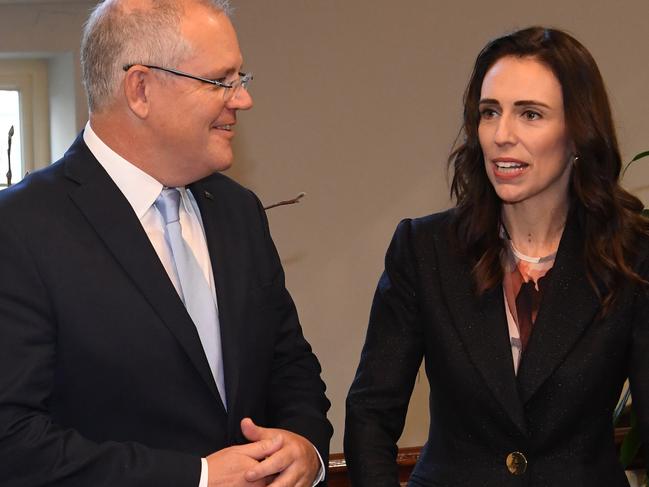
column 29, row 77
column 63, row 119
column 46, row 30
column 358, row 103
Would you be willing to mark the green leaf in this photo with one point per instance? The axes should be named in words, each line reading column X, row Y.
column 637, row 157
column 631, row 443
column 640, row 156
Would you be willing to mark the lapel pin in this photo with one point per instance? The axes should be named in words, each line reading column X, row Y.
column 208, row 195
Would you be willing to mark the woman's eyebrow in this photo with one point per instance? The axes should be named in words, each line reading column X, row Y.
column 488, row 101
column 531, row 102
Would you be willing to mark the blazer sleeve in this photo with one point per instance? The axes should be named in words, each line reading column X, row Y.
column 639, row 364
column 297, row 400
column 377, row 402
column 34, row 450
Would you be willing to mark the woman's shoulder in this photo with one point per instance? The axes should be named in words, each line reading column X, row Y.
column 432, row 225
column 420, row 235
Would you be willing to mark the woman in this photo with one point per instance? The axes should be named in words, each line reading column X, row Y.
column 528, row 300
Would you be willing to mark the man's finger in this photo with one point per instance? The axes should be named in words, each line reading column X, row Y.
column 272, row 465
column 262, row 449
column 252, row 432
column 290, row 478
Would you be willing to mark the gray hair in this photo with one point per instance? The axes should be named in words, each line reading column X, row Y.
column 115, row 35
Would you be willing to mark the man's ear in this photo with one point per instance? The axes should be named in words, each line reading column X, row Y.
column 137, row 90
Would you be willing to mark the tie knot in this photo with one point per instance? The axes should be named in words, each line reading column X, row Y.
column 167, row 204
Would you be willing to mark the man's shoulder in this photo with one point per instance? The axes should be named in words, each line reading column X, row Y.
column 35, row 190
column 45, row 186
column 226, row 184
column 225, row 189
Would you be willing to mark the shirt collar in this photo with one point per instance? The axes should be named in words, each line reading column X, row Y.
column 140, row 189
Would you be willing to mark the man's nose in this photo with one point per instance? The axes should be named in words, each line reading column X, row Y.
column 241, row 101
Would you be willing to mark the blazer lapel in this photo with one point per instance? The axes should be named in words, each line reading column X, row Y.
column 112, row 217
column 227, row 268
column 482, row 325
column 569, row 305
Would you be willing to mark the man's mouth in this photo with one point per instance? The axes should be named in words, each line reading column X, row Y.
column 227, row 127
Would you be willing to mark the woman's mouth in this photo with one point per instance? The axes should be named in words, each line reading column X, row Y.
column 508, row 168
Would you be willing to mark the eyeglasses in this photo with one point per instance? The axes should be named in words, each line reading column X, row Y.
column 230, row 89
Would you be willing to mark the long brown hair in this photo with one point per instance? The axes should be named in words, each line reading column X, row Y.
column 609, row 215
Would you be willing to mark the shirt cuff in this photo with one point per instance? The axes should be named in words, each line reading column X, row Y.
column 204, row 473
column 321, row 472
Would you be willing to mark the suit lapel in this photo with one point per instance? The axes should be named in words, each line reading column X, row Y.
column 227, row 268
column 482, row 325
column 567, row 308
column 112, row 217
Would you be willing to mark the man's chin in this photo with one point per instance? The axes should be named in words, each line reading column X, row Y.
column 222, row 166
column 188, row 176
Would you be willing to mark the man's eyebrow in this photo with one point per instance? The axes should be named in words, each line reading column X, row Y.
column 221, row 73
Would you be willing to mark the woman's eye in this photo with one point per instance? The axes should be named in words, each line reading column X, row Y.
column 487, row 113
column 531, row 115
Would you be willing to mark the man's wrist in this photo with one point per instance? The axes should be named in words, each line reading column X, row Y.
column 321, row 473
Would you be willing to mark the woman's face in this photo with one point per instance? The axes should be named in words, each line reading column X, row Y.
column 523, row 134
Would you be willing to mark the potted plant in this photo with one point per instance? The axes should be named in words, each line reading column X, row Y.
column 632, row 441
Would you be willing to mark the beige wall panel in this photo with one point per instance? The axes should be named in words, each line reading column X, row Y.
column 357, row 103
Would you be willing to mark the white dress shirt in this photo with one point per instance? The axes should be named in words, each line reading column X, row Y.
column 141, row 191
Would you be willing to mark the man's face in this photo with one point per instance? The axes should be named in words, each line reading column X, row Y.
column 191, row 122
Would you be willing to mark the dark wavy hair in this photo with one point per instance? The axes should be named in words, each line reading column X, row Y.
column 609, row 215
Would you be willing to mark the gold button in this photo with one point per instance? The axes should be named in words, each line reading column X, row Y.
column 516, row 463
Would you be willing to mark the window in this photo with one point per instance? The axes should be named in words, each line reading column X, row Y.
column 10, row 117
column 24, row 85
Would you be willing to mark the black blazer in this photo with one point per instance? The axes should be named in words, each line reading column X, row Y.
column 103, row 379
column 557, row 411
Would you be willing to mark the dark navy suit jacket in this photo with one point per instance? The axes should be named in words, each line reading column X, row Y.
column 103, row 379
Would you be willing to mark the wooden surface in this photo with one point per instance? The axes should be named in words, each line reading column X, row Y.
column 406, row 459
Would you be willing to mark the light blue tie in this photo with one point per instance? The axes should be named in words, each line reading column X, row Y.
column 195, row 290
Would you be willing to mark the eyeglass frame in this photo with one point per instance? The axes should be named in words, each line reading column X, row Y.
column 244, row 78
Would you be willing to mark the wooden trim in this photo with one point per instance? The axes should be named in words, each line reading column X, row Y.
column 406, row 457
column 406, row 460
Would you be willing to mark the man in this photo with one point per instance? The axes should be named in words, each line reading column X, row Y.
column 146, row 336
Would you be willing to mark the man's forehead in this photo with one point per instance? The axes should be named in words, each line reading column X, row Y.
column 211, row 34
column 179, row 6
column 132, row 5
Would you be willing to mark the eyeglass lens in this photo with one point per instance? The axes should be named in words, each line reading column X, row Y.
column 237, row 85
